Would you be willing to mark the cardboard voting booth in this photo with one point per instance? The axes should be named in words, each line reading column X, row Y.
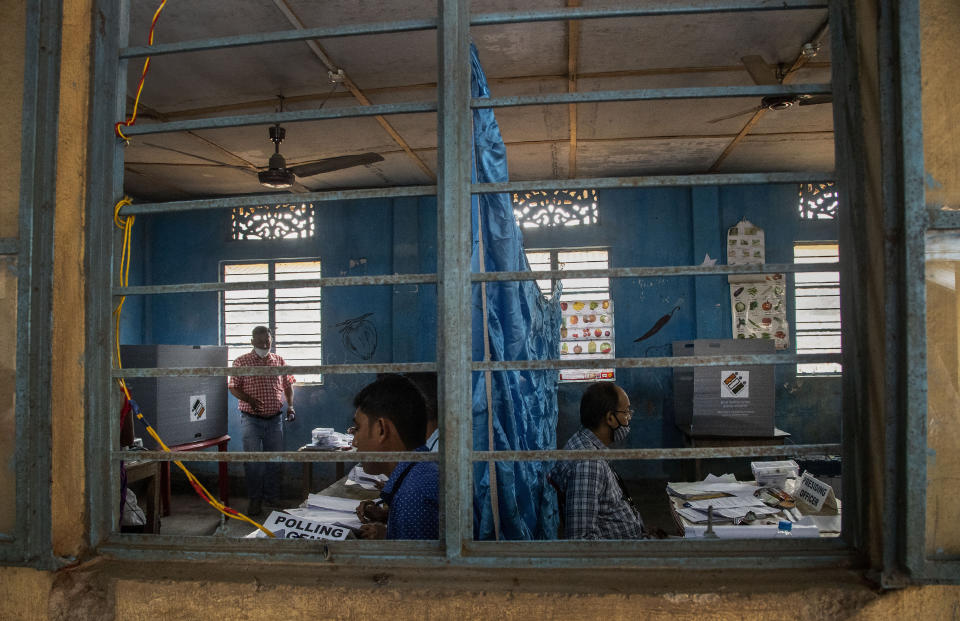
column 735, row 400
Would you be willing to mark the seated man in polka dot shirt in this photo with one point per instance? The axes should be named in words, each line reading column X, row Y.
column 391, row 415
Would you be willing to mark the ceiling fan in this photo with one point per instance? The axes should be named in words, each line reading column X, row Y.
column 278, row 176
column 765, row 74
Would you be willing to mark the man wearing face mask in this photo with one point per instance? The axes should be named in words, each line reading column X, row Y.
column 260, row 403
column 597, row 503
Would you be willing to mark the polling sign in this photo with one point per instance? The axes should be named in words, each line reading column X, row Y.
column 285, row 526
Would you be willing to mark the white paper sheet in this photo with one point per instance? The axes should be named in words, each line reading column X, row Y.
column 727, row 502
column 332, row 503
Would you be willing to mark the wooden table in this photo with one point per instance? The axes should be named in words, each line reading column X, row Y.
column 147, row 472
column 223, row 478
column 308, row 468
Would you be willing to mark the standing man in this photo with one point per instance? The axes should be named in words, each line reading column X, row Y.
column 597, row 503
column 391, row 415
column 260, row 402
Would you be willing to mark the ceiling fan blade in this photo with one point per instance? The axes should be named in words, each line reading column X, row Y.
column 331, row 164
column 760, row 70
column 736, row 114
column 813, row 100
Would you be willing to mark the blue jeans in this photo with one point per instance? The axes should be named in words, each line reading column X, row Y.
column 262, row 434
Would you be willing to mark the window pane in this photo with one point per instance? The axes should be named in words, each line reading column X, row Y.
column 817, row 304
column 943, row 392
column 8, row 366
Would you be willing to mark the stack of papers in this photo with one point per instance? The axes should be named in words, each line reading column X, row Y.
column 357, row 476
column 326, row 439
column 329, row 510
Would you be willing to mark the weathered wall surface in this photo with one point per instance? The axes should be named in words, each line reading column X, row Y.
column 102, row 590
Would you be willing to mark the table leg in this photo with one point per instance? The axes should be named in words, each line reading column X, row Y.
column 339, row 470
column 223, row 476
column 165, row 488
column 307, row 478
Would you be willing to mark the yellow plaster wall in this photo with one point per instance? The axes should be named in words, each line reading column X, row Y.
column 23, row 593
column 940, row 26
column 68, row 294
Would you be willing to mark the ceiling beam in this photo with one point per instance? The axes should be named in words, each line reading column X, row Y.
column 790, row 75
column 320, row 53
column 573, row 52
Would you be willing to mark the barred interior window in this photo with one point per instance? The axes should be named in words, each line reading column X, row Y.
column 818, row 201
column 292, row 315
column 817, row 297
column 538, row 208
column 284, row 221
column 587, row 314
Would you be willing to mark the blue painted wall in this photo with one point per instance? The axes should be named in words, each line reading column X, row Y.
column 650, row 227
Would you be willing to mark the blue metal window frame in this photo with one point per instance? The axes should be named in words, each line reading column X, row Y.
column 900, row 545
column 30, row 541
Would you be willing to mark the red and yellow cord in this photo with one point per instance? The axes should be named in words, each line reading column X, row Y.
column 126, row 223
column 146, row 67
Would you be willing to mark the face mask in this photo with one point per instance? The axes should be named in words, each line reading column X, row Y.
column 620, row 433
column 261, row 352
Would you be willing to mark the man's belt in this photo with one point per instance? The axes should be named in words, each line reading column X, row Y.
column 265, row 417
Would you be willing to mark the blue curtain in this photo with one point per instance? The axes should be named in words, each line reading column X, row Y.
column 522, row 325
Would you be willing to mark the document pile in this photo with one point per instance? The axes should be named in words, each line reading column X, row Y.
column 321, row 517
column 357, row 476
column 734, row 504
column 326, row 439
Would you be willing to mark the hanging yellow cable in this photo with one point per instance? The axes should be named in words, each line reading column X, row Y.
column 143, row 75
column 126, row 224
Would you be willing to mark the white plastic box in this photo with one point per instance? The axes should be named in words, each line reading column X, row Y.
column 774, row 473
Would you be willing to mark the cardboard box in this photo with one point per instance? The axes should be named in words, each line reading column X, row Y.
column 181, row 409
column 726, row 400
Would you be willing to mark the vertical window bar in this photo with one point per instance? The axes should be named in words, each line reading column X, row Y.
column 453, row 245
column 105, row 188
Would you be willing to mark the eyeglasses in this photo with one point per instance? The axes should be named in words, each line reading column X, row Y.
column 352, row 430
column 628, row 411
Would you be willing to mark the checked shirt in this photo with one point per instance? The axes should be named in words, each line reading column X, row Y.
column 267, row 388
column 595, row 503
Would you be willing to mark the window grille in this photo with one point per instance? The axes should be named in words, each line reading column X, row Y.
column 817, row 300
column 818, row 201
column 293, row 315
column 542, row 208
column 284, row 221
column 587, row 330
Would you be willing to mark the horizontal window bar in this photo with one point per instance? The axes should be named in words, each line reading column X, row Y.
column 9, row 245
column 653, row 181
column 394, row 367
column 650, row 454
column 250, row 285
column 658, row 362
column 280, row 36
column 136, row 209
column 648, row 272
column 699, row 554
column 941, row 219
column 545, row 15
column 284, row 36
column 275, row 456
column 523, row 365
column 405, row 279
column 313, row 114
column 651, row 94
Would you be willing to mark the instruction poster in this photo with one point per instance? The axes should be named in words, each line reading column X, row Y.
column 759, row 310
column 745, row 244
column 586, row 333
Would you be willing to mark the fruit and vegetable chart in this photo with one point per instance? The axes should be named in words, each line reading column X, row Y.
column 586, row 333
column 759, row 310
